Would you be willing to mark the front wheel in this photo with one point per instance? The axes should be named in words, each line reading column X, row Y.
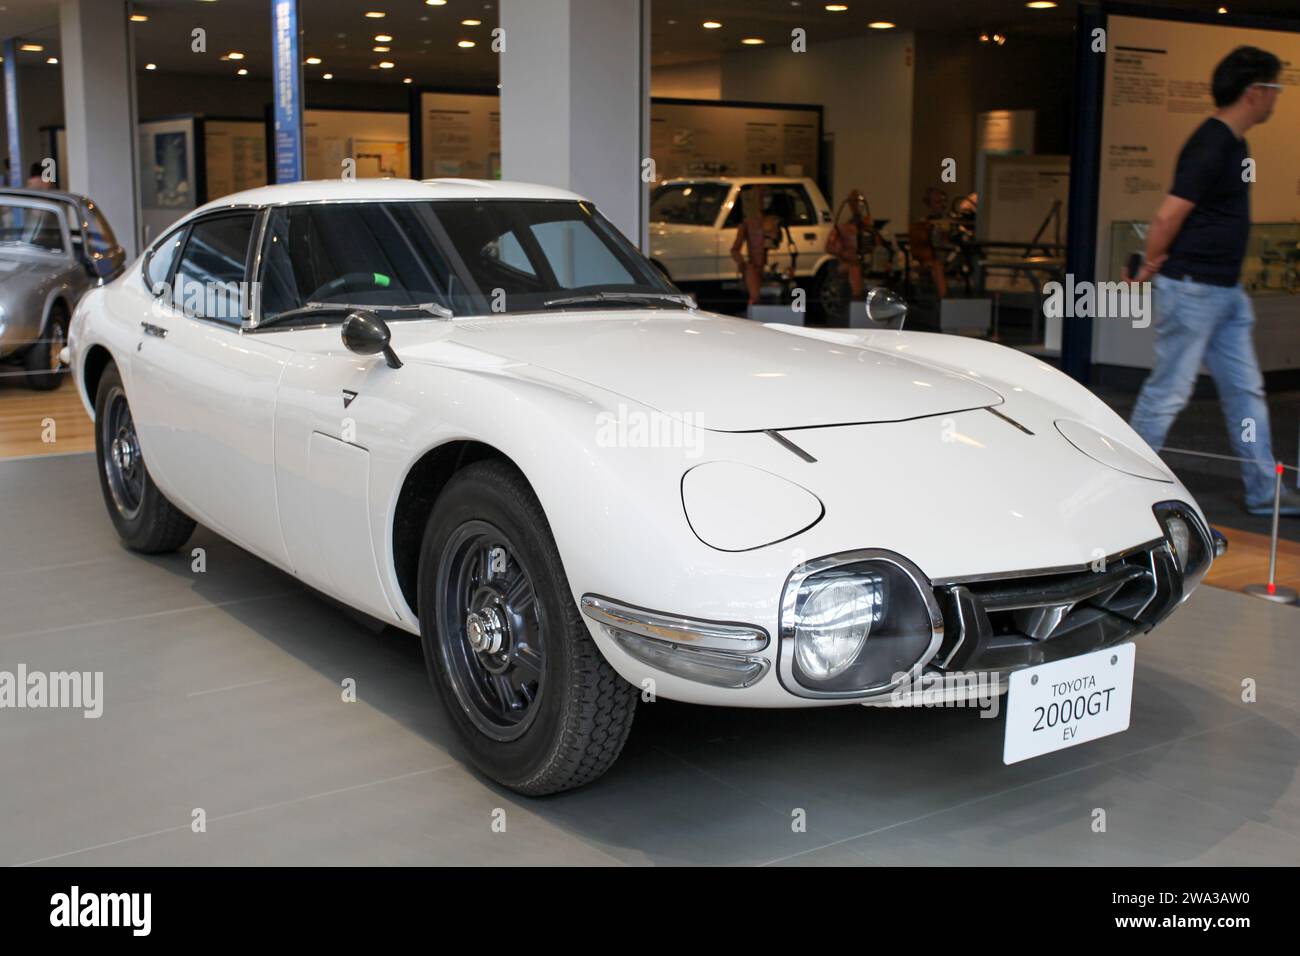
column 142, row 515
column 42, row 361
column 536, row 704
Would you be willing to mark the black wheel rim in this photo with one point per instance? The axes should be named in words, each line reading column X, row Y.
column 491, row 630
column 123, row 464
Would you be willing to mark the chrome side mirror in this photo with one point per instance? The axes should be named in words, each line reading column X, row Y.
column 886, row 309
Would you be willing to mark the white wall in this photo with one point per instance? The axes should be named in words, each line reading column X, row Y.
column 865, row 86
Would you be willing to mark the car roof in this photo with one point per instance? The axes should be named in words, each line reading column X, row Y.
column 378, row 190
column 55, row 195
column 740, row 180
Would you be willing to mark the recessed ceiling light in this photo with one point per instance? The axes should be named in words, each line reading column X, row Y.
column 711, row 24
column 312, row 61
column 327, row 76
column 151, row 66
column 138, row 18
column 1041, row 4
column 383, row 38
column 881, row 25
column 1223, row 9
column 376, row 14
column 435, row 3
column 380, row 49
column 464, row 44
column 32, row 48
column 407, row 79
column 471, row 23
column 753, row 41
column 836, row 7
column 242, row 71
column 387, row 65
column 234, row 55
column 52, row 60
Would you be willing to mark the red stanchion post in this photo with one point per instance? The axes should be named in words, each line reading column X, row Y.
column 1272, row 591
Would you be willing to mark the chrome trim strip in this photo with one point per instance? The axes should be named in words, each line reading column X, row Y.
column 690, row 633
column 786, row 443
column 790, row 594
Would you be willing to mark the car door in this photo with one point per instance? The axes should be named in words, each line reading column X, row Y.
column 203, row 393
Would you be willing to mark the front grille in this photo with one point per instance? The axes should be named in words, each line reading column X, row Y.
column 1021, row 620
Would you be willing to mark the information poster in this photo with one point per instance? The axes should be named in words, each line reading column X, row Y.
column 235, row 155
column 1157, row 92
column 166, row 173
column 461, row 135
column 367, row 145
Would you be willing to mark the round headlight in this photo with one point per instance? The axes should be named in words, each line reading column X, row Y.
column 835, row 622
column 852, row 622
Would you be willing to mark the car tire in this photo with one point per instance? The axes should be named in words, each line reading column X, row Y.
column 145, row 520
column 41, row 360
column 536, row 704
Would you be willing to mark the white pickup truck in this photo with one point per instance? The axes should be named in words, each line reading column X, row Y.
column 693, row 225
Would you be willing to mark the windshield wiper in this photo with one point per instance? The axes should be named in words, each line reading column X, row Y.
column 312, row 308
column 633, row 298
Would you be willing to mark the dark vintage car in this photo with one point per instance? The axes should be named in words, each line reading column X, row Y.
column 53, row 247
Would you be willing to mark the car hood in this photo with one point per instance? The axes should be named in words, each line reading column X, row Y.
column 729, row 374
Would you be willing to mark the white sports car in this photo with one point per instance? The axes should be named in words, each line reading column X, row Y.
column 474, row 411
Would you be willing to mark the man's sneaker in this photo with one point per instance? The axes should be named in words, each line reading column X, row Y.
column 1289, row 506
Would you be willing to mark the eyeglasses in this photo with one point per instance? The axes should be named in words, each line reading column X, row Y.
column 1269, row 86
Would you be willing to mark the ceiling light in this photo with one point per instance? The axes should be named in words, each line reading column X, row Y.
column 151, row 66
column 435, row 3
column 407, row 79
column 138, row 18
column 376, row 14
column 386, row 65
column 1040, row 4
column 32, row 48
column 881, row 25
column 464, row 44
column 312, row 61
column 327, row 76
column 242, row 71
column 383, row 38
column 380, row 49
column 836, row 7
column 471, row 23
column 711, row 24
column 753, row 41
column 1223, row 9
column 52, row 60
column 234, row 55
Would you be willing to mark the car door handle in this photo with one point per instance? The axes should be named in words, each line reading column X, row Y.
column 155, row 330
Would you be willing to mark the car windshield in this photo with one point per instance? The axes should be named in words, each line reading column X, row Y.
column 30, row 227
column 688, row 204
column 465, row 257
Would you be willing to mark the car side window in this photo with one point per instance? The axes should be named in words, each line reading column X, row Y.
column 158, row 266
column 799, row 205
column 100, row 233
column 209, row 281
column 790, row 200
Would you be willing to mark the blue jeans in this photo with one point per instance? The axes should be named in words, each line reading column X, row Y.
column 1198, row 322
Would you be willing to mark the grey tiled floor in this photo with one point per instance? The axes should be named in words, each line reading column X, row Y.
column 223, row 692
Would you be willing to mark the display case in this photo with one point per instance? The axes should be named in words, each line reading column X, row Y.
column 1271, row 267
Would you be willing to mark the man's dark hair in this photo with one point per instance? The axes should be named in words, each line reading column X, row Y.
column 1240, row 69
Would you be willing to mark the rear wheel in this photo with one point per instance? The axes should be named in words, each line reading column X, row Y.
column 143, row 516
column 42, row 360
column 536, row 704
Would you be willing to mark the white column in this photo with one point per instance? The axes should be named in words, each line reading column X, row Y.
column 575, row 101
column 99, row 110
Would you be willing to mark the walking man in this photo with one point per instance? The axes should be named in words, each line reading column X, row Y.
column 1195, row 248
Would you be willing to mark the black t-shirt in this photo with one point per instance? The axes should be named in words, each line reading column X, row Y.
column 1212, row 243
